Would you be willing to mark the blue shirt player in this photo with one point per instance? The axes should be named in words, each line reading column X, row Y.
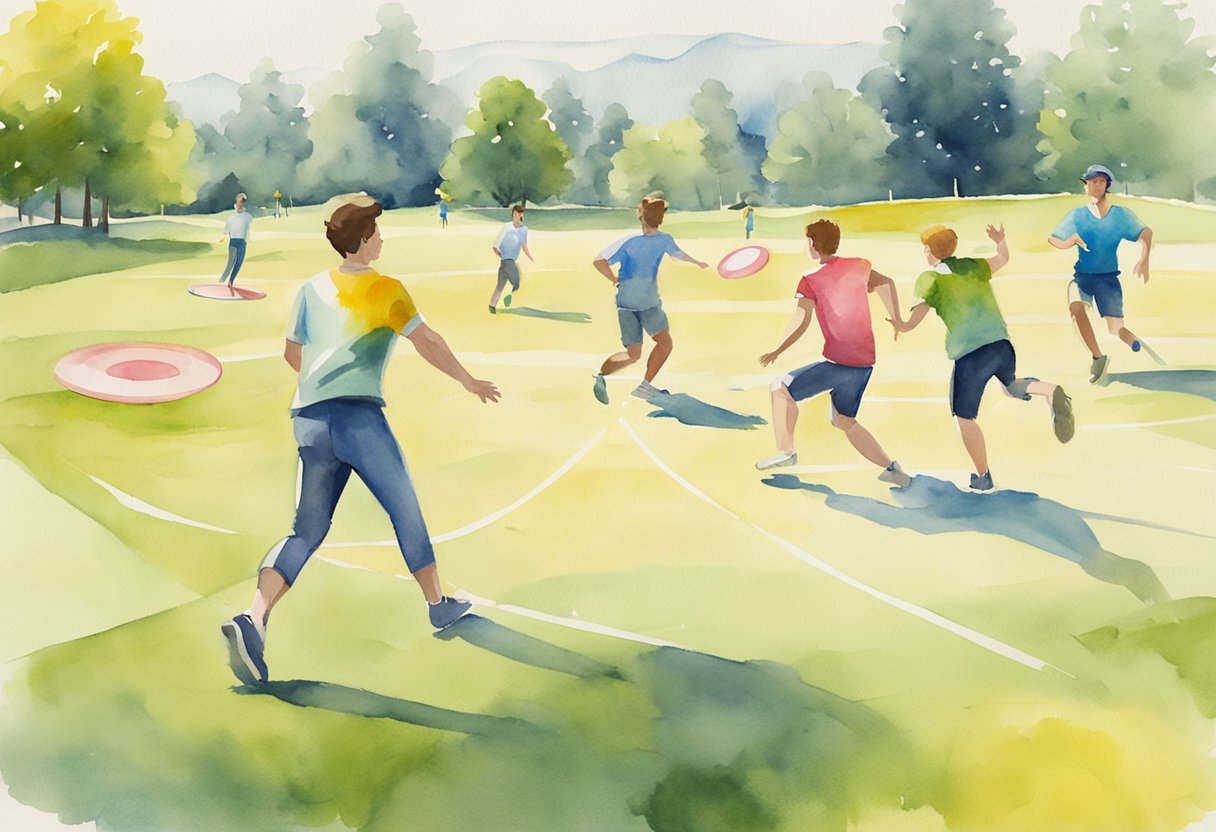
column 638, row 305
column 1096, row 229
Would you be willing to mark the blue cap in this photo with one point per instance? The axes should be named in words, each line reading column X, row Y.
column 1098, row 170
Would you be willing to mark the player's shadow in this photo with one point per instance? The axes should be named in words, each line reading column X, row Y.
column 932, row 506
column 688, row 410
column 564, row 317
column 1191, row 382
column 516, row 646
column 357, row 702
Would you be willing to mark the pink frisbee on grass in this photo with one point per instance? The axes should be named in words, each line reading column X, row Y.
column 743, row 262
column 135, row 372
column 222, row 291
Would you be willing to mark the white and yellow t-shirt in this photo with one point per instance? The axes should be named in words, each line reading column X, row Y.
column 347, row 324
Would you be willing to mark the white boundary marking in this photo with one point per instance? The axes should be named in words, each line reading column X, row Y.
column 937, row 620
column 1186, row 421
column 136, row 504
column 477, row 525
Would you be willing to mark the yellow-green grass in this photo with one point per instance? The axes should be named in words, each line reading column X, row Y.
column 854, row 708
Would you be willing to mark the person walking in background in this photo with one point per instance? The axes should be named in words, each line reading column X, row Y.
column 237, row 229
column 512, row 239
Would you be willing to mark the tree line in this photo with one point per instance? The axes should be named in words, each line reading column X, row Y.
column 952, row 111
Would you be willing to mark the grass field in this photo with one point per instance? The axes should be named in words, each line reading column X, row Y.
column 666, row 638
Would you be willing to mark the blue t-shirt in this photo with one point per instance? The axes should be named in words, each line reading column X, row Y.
column 511, row 240
column 639, row 257
column 1101, row 235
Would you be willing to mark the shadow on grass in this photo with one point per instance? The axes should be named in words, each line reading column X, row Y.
column 932, row 506
column 688, row 410
column 358, row 702
column 1191, row 382
column 494, row 637
column 564, row 317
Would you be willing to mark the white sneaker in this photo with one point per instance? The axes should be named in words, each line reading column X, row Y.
column 646, row 390
column 781, row 460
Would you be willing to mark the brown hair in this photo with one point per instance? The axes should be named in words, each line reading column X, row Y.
column 652, row 209
column 517, row 209
column 351, row 224
column 824, row 236
column 941, row 241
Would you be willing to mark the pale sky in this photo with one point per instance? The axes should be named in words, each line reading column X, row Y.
column 185, row 38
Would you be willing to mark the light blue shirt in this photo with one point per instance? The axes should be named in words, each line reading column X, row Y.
column 511, row 240
column 1101, row 235
column 639, row 257
column 237, row 226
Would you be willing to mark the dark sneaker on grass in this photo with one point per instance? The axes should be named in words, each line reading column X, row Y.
column 895, row 475
column 493, row 311
column 1097, row 368
column 1136, row 345
column 447, row 612
column 245, row 648
column 981, row 483
column 507, row 300
column 1062, row 421
column 600, row 390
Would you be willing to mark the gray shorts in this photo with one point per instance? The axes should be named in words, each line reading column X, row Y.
column 508, row 272
column 633, row 321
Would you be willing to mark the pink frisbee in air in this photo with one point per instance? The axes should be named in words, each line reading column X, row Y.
column 743, row 262
column 222, row 291
column 133, row 372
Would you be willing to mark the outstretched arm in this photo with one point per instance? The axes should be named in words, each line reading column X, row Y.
column 800, row 320
column 1074, row 240
column 688, row 258
column 884, row 287
column 1146, row 244
column 997, row 235
column 601, row 266
column 435, row 350
column 918, row 314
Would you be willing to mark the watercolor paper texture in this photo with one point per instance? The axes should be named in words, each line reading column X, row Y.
column 905, row 621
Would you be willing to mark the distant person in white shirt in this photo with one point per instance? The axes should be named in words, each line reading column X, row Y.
column 511, row 240
column 237, row 229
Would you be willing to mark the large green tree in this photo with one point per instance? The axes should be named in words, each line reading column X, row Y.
column 830, row 147
column 734, row 154
column 513, row 155
column 591, row 169
column 1136, row 93
column 948, row 94
column 669, row 160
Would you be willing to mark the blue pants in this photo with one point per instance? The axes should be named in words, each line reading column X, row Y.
column 336, row 437
column 972, row 371
column 236, row 256
column 847, row 384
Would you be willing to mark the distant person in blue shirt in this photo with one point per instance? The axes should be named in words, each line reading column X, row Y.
column 237, row 230
column 1096, row 230
column 638, row 305
column 510, row 241
column 443, row 212
column 749, row 222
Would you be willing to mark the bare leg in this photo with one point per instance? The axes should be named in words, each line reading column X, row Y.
column 861, row 439
column 785, row 417
column 618, row 360
column 271, row 587
column 1116, row 327
column 973, row 441
column 428, row 579
column 658, row 355
column 1085, row 328
column 1042, row 388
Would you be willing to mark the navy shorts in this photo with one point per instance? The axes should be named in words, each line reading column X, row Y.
column 1101, row 290
column 971, row 374
column 633, row 321
column 846, row 383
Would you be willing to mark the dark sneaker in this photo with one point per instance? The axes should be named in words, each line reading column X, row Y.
column 493, row 311
column 1136, row 345
column 895, row 475
column 1062, row 421
column 245, row 648
column 447, row 612
column 600, row 390
column 507, row 300
column 983, row 483
column 1097, row 368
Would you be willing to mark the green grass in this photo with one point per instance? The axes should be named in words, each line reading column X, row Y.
column 802, row 703
column 26, row 264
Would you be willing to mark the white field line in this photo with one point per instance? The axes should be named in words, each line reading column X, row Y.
column 136, row 504
column 1186, row 421
column 561, row 621
column 975, row 637
column 477, row 525
column 253, row 356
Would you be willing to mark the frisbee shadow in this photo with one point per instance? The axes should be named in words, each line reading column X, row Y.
column 564, row 317
column 1190, row 382
column 358, row 702
column 510, row 644
column 688, row 410
column 931, row 506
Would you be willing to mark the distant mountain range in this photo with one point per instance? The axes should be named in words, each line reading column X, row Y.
column 654, row 77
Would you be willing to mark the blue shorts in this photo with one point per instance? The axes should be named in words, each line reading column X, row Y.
column 633, row 321
column 971, row 374
column 1103, row 290
column 846, row 383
